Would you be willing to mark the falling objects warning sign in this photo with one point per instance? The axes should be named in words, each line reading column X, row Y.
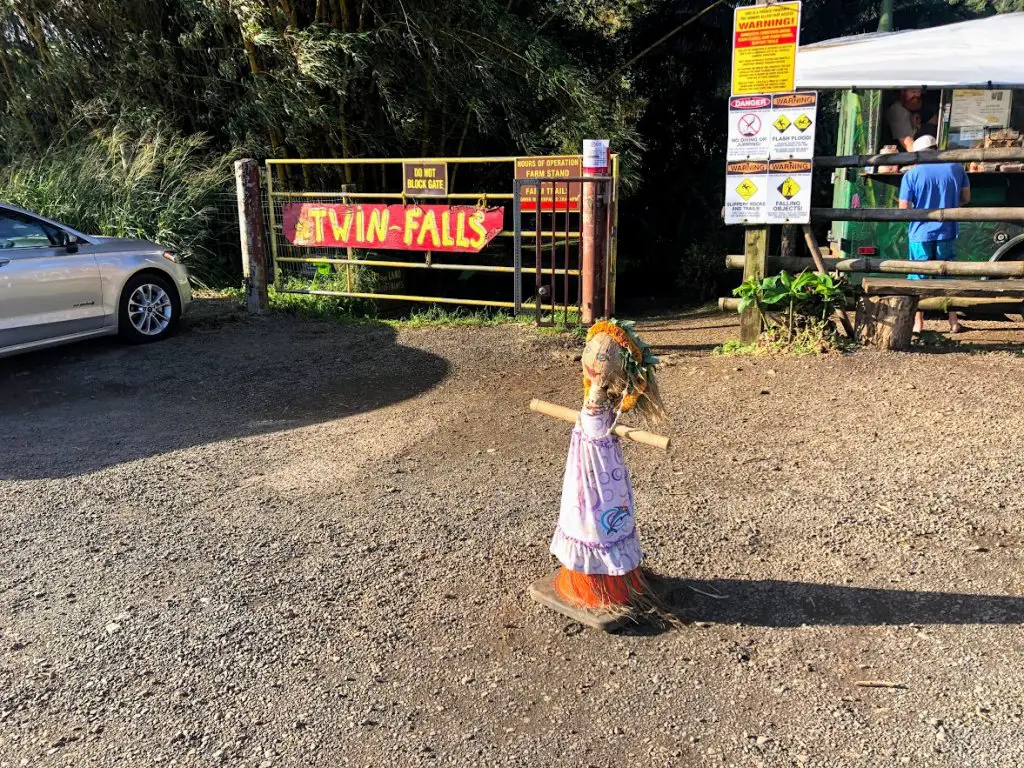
column 793, row 119
column 749, row 124
column 746, row 192
column 789, row 191
column 765, row 39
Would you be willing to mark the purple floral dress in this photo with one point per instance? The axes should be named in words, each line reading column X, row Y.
column 596, row 531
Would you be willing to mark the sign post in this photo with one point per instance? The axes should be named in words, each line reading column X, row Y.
column 765, row 41
column 595, row 241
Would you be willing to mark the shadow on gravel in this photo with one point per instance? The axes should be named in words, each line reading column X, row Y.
column 794, row 603
column 80, row 408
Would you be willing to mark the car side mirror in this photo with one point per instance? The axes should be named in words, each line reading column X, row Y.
column 71, row 243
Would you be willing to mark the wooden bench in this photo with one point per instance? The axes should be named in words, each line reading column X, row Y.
column 885, row 311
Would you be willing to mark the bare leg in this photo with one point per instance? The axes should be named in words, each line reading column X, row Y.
column 954, row 322
column 919, row 321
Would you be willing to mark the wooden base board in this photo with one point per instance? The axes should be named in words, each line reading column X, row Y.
column 543, row 591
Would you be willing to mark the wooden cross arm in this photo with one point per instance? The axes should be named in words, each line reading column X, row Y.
column 569, row 415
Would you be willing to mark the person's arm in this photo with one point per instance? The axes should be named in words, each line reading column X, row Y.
column 901, row 125
column 906, row 194
column 965, row 196
column 965, row 187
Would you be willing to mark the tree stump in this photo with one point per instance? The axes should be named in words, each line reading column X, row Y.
column 886, row 322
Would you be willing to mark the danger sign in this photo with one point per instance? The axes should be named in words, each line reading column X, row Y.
column 765, row 39
column 793, row 120
column 789, row 191
column 749, row 122
column 746, row 192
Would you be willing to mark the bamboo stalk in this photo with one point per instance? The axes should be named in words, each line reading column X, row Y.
column 893, row 266
column 1009, row 305
column 877, row 286
column 915, row 214
column 569, row 415
column 980, row 154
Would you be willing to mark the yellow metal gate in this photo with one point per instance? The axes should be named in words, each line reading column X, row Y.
column 309, row 266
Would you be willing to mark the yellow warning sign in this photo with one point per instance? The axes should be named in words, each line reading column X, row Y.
column 803, row 122
column 747, row 189
column 764, row 46
column 781, row 123
column 789, row 188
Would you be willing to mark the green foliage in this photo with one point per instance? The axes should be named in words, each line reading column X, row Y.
column 355, row 78
column 813, row 338
column 808, row 299
column 158, row 186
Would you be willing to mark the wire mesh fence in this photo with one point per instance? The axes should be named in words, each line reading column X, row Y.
column 216, row 261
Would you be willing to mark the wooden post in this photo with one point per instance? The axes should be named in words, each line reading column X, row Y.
column 252, row 234
column 755, row 249
column 819, row 266
column 886, row 322
column 788, row 246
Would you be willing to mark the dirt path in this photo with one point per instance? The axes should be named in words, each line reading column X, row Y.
column 282, row 542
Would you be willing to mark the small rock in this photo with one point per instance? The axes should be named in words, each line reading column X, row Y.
column 113, row 628
column 764, row 392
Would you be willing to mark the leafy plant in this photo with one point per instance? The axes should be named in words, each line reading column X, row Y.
column 808, row 298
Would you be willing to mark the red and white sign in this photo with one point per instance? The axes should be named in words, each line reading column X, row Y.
column 443, row 228
column 748, row 128
column 596, row 157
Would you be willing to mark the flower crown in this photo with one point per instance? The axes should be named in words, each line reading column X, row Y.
column 638, row 364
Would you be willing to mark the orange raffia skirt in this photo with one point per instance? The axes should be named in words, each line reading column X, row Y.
column 600, row 590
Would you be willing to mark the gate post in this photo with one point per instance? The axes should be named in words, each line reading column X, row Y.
column 252, row 234
column 594, row 230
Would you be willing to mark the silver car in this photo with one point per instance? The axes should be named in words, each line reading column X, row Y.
column 58, row 285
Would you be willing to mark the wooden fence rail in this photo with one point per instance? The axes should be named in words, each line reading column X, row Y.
column 794, row 264
column 980, row 155
column 918, row 214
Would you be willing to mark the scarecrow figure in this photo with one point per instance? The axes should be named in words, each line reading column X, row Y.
column 596, row 539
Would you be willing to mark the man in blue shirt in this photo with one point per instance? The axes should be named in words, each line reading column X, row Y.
column 938, row 185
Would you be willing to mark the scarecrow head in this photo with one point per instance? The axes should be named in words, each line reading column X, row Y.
column 618, row 371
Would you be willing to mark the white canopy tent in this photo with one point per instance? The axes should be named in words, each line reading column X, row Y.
column 984, row 53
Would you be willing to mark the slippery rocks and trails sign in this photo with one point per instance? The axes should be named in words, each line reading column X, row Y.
column 442, row 228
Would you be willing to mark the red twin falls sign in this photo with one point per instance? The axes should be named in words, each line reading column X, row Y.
column 444, row 228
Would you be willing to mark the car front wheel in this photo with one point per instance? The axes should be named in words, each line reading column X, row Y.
column 149, row 309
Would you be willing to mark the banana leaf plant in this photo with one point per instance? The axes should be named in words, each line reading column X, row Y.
column 808, row 296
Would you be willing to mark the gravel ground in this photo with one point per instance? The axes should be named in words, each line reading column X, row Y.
column 274, row 542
